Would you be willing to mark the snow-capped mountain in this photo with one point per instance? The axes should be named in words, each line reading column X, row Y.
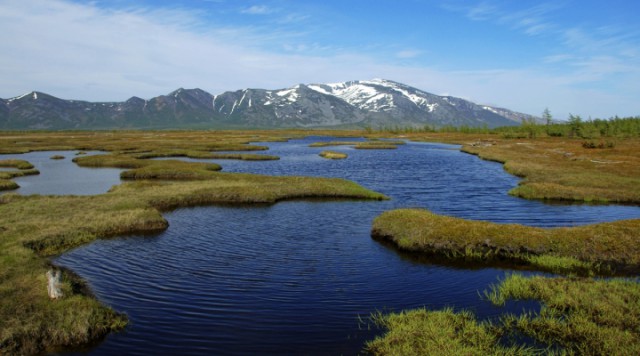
column 371, row 103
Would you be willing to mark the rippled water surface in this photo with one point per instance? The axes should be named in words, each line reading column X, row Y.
column 295, row 277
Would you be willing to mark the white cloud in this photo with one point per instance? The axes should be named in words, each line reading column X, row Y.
column 83, row 52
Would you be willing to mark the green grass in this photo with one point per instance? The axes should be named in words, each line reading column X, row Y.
column 23, row 167
column 57, row 157
column 6, row 184
column 590, row 249
column 582, row 316
column 35, row 227
column 150, row 169
column 442, row 332
column 579, row 316
column 206, row 155
column 16, row 163
column 333, row 155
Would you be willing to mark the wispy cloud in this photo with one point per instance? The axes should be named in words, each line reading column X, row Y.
column 408, row 53
column 531, row 20
column 257, row 10
column 481, row 11
column 83, row 51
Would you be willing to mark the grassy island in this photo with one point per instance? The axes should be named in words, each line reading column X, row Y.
column 333, row 155
column 578, row 316
column 372, row 144
column 589, row 249
column 23, row 168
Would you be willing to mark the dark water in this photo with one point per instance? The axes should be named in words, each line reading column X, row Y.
column 295, row 277
column 62, row 176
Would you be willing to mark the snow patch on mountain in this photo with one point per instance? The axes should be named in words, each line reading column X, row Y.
column 290, row 94
column 22, row 96
column 491, row 109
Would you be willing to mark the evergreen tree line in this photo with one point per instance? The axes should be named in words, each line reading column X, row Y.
column 575, row 127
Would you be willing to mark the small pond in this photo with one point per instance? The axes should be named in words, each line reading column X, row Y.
column 62, row 176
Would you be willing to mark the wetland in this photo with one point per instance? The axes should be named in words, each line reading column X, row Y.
column 272, row 259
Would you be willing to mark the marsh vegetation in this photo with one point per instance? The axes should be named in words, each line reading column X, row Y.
column 333, row 155
column 22, row 168
column 588, row 249
column 36, row 227
column 577, row 316
column 33, row 228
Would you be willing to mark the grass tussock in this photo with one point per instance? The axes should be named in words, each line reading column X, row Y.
column 582, row 316
column 579, row 316
column 35, row 227
column 333, row 155
column 23, row 168
column 16, row 163
column 441, row 332
column 590, row 249
column 6, row 184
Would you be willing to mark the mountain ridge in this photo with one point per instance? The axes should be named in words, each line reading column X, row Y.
column 357, row 103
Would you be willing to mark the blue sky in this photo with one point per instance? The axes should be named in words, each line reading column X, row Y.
column 579, row 57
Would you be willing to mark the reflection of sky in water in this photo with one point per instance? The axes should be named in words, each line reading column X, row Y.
column 62, row 176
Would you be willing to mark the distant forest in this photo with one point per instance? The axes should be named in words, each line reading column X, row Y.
column 575, row 127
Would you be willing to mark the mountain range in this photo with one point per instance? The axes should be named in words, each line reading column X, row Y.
column 362, row 103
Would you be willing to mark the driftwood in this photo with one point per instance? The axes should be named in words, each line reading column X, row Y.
column 53, row 283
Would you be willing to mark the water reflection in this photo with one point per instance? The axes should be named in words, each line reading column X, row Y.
column 62, row 176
